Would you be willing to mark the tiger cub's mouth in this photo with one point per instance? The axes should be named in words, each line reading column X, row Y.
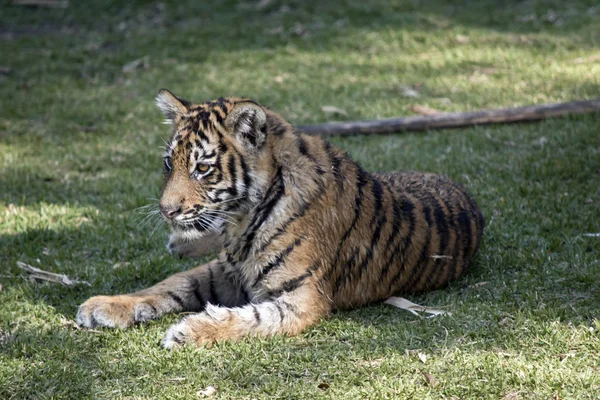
column 199, row 222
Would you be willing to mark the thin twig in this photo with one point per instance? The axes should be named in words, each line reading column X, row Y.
column 50, row 276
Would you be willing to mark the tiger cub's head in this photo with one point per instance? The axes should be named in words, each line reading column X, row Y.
column 214, row 162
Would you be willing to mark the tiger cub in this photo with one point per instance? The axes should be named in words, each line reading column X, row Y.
column 303, row 228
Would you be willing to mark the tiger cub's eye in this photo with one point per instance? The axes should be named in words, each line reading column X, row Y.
column 203, row 168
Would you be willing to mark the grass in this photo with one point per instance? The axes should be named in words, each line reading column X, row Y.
column 79, row 152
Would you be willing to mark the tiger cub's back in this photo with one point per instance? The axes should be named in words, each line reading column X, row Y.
column 453, row 228
column 429, row 230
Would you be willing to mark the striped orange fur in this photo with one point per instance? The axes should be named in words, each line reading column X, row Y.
column 304, row 230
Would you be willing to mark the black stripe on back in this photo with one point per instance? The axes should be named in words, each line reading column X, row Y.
column 276, row 128
column 303, row 148
column 378, row 221
column 336, row 166
column 464, row 222
column 441, row 225
column 406, row 208
column 450, row 266
column 423, row 260
column 263, row 210
column 399, row 213
column 301, row 212
column 361, row 181
column 396, row 221
column 277, row 261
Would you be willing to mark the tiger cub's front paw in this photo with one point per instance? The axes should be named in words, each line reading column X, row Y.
column 115, row 311
column 198, row 329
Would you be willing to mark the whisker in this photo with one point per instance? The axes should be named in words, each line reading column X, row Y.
column 158, row 223
column 226, row 217
column 225, row 212
column 226, row 201
column 148, row 215
column 150, row 219
column 213, row 224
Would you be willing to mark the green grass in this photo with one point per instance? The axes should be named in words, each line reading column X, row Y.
column 79, row 152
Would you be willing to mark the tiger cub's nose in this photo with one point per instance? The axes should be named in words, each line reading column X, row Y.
column 170, row 212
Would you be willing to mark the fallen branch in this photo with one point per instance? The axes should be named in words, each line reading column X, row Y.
column 454, row 120
column 50, row 276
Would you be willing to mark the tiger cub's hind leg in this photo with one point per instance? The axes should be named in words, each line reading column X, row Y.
column 186, row 291
column 287, row 314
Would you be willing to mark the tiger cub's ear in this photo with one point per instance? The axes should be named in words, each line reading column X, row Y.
column 171, row 105
column 248, row 123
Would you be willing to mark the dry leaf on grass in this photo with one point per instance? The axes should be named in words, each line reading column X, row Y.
column 423, row 110
column 409, row 92
column 120, row 265
column 50, row 276
column 407, row 305
column 478, row 284
column 334, row 110
column 209, row 391
column 431, row 381
column 461, row 39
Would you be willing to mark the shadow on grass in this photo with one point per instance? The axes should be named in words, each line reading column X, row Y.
column 192, row 32
column 236, row 17
column 48, row 358
column 134, row 262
